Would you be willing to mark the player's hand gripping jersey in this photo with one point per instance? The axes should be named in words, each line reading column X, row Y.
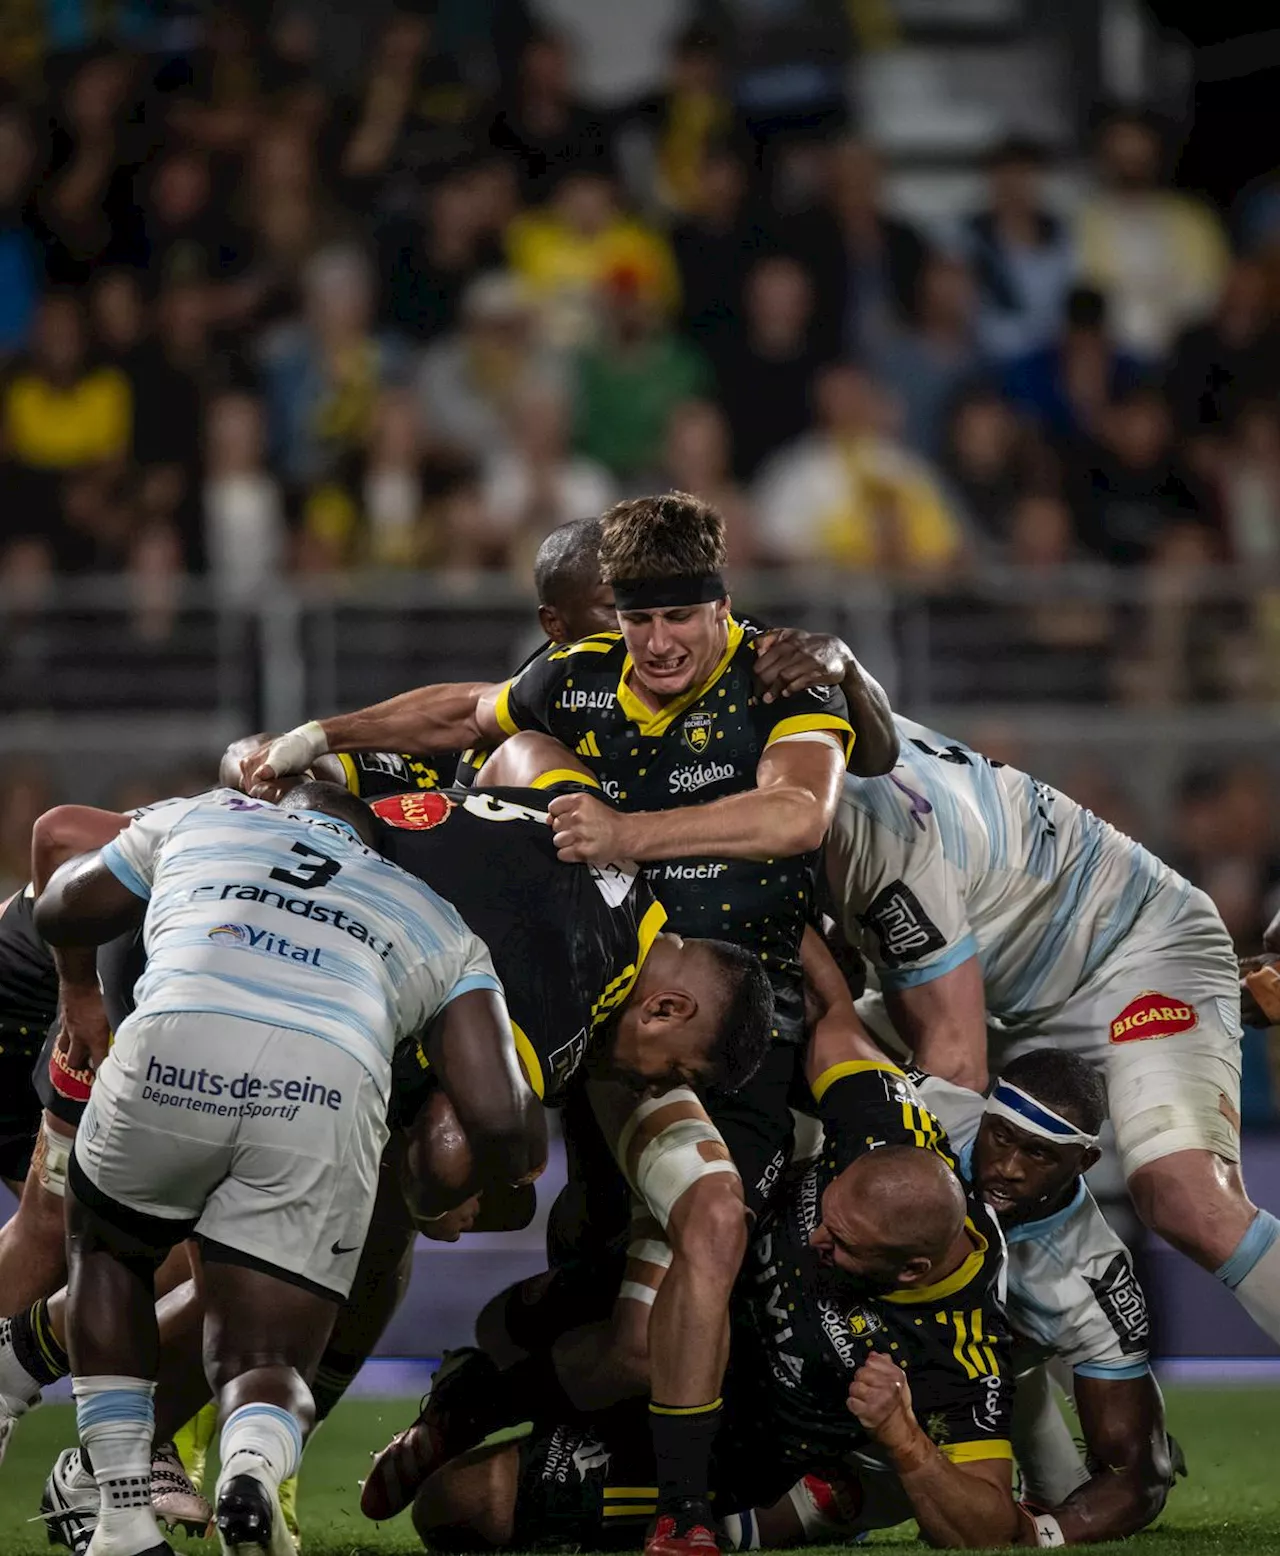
column 801, row 1328
column 703, row 746
column 285, row 918
column 953, row 855
column 567, row 940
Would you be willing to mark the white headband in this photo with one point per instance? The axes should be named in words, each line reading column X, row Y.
column 1033, row 1117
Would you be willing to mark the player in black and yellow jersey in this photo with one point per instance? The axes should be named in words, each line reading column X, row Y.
column 726, row 795
column 868, row 1346
column 594, row 980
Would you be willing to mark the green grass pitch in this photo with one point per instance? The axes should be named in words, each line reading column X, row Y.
column 1229, row 1504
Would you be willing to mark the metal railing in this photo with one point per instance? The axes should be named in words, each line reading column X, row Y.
column 1152, row 671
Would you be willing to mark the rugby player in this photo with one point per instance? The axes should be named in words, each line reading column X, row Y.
column 867, row 1331
column 665, row 714
column 381, row 957
column 977, row 892
column 1072, row 1297
column 594, row 982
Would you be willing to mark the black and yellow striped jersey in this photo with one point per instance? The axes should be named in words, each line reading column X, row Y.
column 567, row 940
column 702, row 746
column 372, row 774
column 802, row 1328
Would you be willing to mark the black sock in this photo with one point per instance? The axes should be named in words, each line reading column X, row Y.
column 37, row 1347
column 334, row 1376
column 683, row 1437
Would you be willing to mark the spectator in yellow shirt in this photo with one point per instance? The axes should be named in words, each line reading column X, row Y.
column 1159, row 257
column 848, row 494
column 60, row 412
column 567, row 250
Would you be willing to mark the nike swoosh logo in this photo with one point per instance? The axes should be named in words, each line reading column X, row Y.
column 339, row 1249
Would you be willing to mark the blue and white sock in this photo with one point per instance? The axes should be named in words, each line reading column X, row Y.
column 1253, row 1273
column 260, row 1440
column 115, row 1417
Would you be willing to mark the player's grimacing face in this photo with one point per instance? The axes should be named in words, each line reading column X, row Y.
column 676, row 647
column 1021, row 1175
column 845, row 1244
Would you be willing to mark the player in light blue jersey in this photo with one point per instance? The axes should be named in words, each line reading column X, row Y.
column 245, row 1101
column 981, row 895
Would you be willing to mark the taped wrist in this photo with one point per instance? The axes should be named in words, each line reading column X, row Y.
column 294, row 751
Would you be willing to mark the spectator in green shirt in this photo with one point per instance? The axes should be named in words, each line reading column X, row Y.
column 631, row 380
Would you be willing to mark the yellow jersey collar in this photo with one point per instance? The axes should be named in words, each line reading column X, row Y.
column 950, row 1284
column 652, row 721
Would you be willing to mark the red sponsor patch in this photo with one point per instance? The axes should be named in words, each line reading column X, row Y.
column 414, row 812
column 1152, row 1015
column 74, row 1085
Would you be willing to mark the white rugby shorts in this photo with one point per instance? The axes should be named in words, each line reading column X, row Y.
column 1162, row 1017
column 263, row 1139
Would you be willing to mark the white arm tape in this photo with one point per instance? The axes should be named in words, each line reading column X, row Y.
column 1048, row 1531
column 294, row 751
column 634, row 1291
column 673, row 1160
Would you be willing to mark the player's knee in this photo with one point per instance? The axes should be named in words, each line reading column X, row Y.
column 708, row 1227
column 1195, row 1201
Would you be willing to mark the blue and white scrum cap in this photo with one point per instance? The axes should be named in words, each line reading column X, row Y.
column 1034, row 1117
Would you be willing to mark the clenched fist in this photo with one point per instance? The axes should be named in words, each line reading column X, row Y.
column 587, row 831
column 881, row 1399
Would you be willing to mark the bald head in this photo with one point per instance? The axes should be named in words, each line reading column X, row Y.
column 892, row 1216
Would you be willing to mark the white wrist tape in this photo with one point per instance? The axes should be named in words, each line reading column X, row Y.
column 295, row 751
column 1048, row 1530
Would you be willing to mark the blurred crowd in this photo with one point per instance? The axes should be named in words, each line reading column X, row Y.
column 266, row 309
column 327, row 285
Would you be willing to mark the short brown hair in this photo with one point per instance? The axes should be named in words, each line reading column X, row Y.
column 671, row 536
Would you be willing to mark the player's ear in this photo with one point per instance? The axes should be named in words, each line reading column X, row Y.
column 915, row 1272
column 552, row 623
column 669, row 1005
column 723, row 607
column 1090, row 1158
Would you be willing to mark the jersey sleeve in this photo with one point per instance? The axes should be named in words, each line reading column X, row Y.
column 864, row 1104
column 813, row 713
column 1094, row 1315
column 131, row 855
column 901, row 901
column 526, row 700
column 963, row 1399
column 372, row 775
column 430, row 988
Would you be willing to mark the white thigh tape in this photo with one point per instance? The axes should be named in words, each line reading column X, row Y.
column 55, row 1153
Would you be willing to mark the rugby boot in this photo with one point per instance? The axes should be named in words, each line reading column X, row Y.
column 686, row 1528
column 19, row 1391
column 69, row 1503
column 289, row 1507
column 249, row 1520
column 174, row 1500
column 453, row 1418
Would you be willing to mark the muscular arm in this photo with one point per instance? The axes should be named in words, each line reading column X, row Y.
column 59, row 835
column 836, row 1034
column 430, row 718
column 1124, row 1432
column 471, row 1047
column 969, row 1504
column 85, row 905
column 790, row 661
column 944, row 1023
column 787, row 813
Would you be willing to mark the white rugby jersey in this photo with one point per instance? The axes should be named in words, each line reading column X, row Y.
column 951, row 856
column 1072, row 1290
column 284, row 917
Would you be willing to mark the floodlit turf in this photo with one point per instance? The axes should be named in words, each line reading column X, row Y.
column 1230, row 1504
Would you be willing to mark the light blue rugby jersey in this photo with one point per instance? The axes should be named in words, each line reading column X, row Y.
column 951, row 855
column 284, row 917
column 1072, row 1291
